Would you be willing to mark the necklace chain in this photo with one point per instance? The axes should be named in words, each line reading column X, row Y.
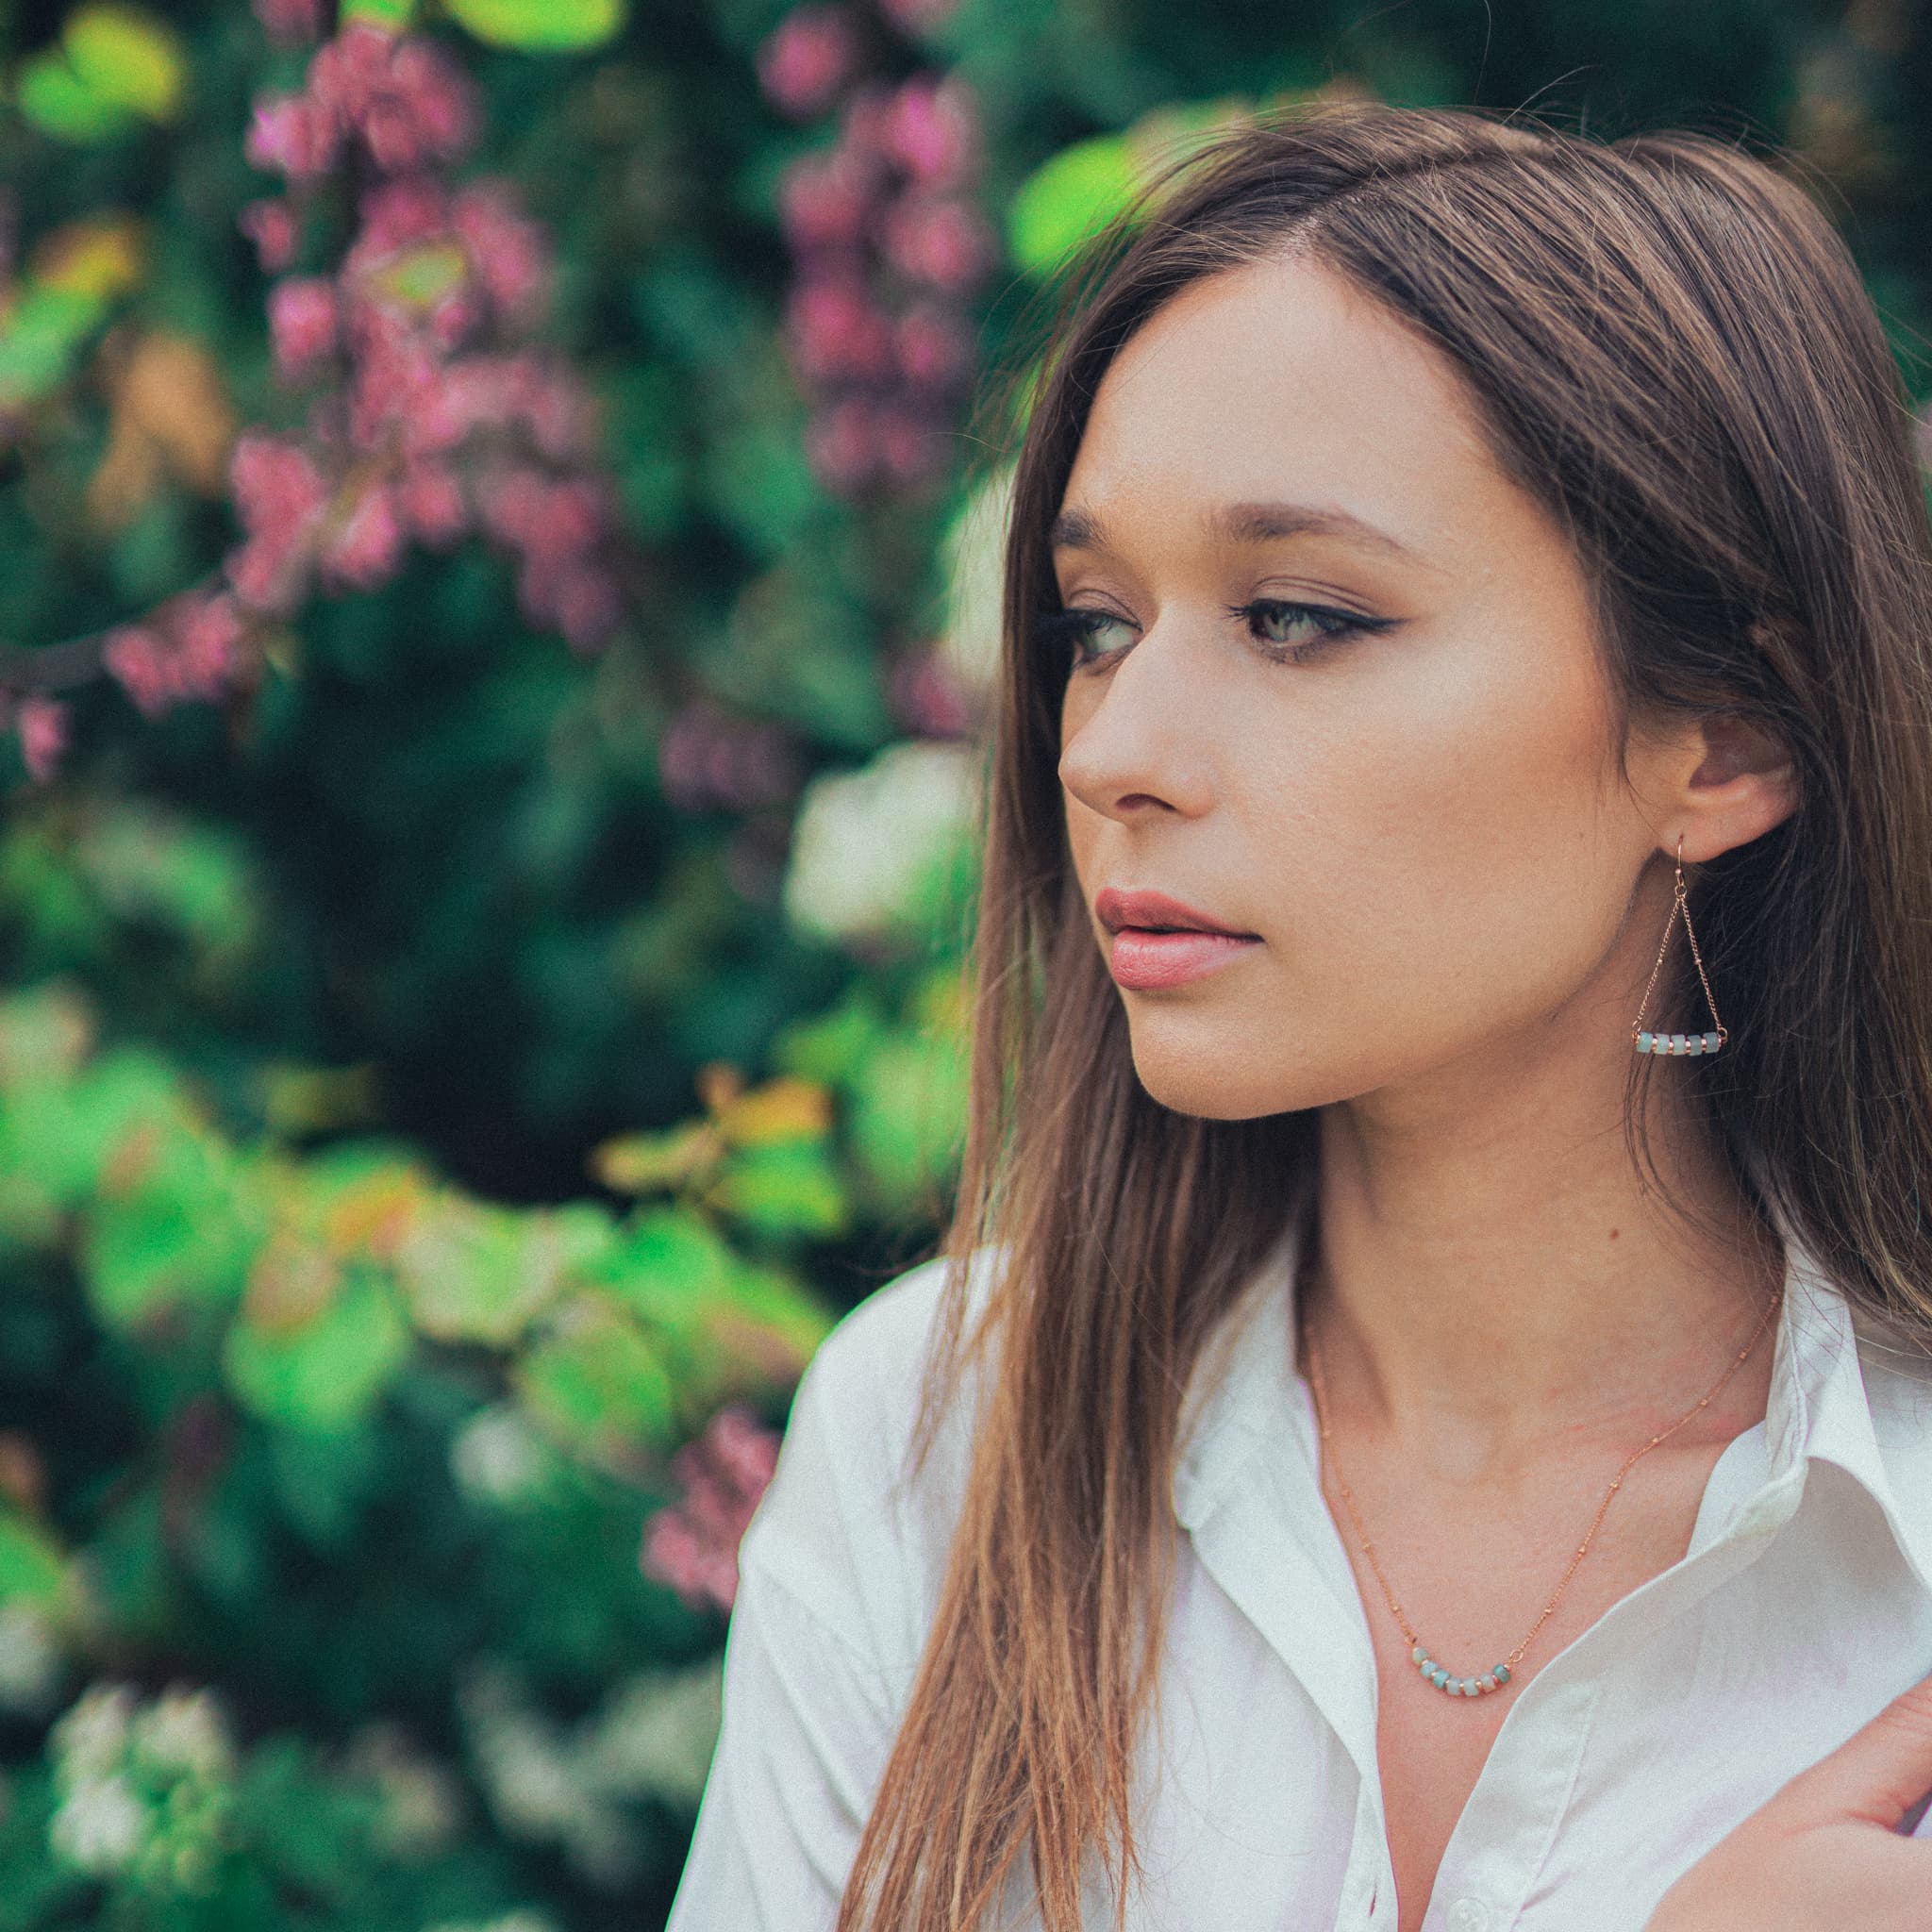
column 1320, row 1389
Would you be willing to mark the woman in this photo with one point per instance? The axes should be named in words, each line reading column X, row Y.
column 1444, row 1434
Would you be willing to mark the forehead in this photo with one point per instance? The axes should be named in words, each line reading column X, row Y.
column 1280, row 381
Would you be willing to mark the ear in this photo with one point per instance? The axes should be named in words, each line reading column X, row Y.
column 1741, row 783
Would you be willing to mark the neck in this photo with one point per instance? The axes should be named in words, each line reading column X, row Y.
column 1490, row 1273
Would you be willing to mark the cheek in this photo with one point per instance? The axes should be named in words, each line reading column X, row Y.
column 1440, row 832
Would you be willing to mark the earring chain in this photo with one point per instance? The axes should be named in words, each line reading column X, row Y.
column 1680, row 903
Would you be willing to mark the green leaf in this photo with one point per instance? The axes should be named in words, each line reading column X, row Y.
column 58, row 102
column 392, row 16
column 1067, row 198
column 41, row 337
column 833, row 1047
column 182, row 1231
column 907, row 1115
column 597, row 1382
column 783, row 1190
column 31, row 1564
column 668, row 1258
column 540, row 26
column 325, row 1373
column 421, row 278
column 129, row 57
column 472, row 1271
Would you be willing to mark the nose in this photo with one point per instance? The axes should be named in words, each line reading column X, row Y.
column 1139, row 734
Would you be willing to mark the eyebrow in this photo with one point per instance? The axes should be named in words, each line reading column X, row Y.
column 1242, row 523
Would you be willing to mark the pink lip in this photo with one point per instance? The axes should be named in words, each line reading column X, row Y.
column 1142, row 962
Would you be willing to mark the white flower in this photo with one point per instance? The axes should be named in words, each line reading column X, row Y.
column 496, row 1456
column 30, row 1658
column 100, row 1826
column 865, row 840
column 656, row 1736
column 184, row 1730
column 91, row 1739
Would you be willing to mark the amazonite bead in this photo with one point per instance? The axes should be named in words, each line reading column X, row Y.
column 1501, row 1673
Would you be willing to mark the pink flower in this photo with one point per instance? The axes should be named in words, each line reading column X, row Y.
column 939, row 240
column 927, row 697
column 289, row 135
column 289, row 22
column 270, row 223
column 41, row 723
column 364, row 552
column 932, row 130
column 139, row 659
column 347, row 71
column 834, row 332
column 399, row 388
column 279, row 495
column 209, row 633
column 932, row 348
column 910, row 447
column 302, row 321
column 804, row 61
column 842, row 444
column 408, row 104
column 506, row 253
column 275, row 481
column 190, row 648
column 586, row 607
column 692, row 1544
column 396, row 214
column 431, row 503
column 825, row 200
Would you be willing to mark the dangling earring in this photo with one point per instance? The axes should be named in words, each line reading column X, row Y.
column 1678, row 1042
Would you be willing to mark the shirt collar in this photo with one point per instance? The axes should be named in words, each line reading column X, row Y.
column 1246, row 1392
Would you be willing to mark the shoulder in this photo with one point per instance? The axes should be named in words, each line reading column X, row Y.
column 843, row 1524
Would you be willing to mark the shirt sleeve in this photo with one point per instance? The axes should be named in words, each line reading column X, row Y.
column 808, row 1712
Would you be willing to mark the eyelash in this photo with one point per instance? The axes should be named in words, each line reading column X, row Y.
column 1076, row 622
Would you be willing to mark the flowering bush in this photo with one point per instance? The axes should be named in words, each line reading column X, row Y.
column 493, row 648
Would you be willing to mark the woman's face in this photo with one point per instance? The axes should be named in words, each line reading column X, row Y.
column 1422, row 823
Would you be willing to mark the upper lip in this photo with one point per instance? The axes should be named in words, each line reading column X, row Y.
column 1115, row 909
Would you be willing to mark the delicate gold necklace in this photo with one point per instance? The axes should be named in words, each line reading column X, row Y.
column 1498, row 1674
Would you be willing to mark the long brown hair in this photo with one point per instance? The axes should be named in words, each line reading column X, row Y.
column 1673, row 351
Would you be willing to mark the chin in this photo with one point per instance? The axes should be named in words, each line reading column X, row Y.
column 1231, row 1086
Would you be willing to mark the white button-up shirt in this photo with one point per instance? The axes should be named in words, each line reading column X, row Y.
column 1803, row 1603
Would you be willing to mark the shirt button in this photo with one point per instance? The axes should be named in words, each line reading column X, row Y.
column 1469, row 1915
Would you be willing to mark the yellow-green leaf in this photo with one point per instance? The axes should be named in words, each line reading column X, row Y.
column 125, row 56
column 540, row 26
column 392, row 16
column 1067, row 198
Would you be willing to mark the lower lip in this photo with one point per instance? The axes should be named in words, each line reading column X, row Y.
column 1142, row 960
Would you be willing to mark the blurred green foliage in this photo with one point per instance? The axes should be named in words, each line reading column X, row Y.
column 419, row 1117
